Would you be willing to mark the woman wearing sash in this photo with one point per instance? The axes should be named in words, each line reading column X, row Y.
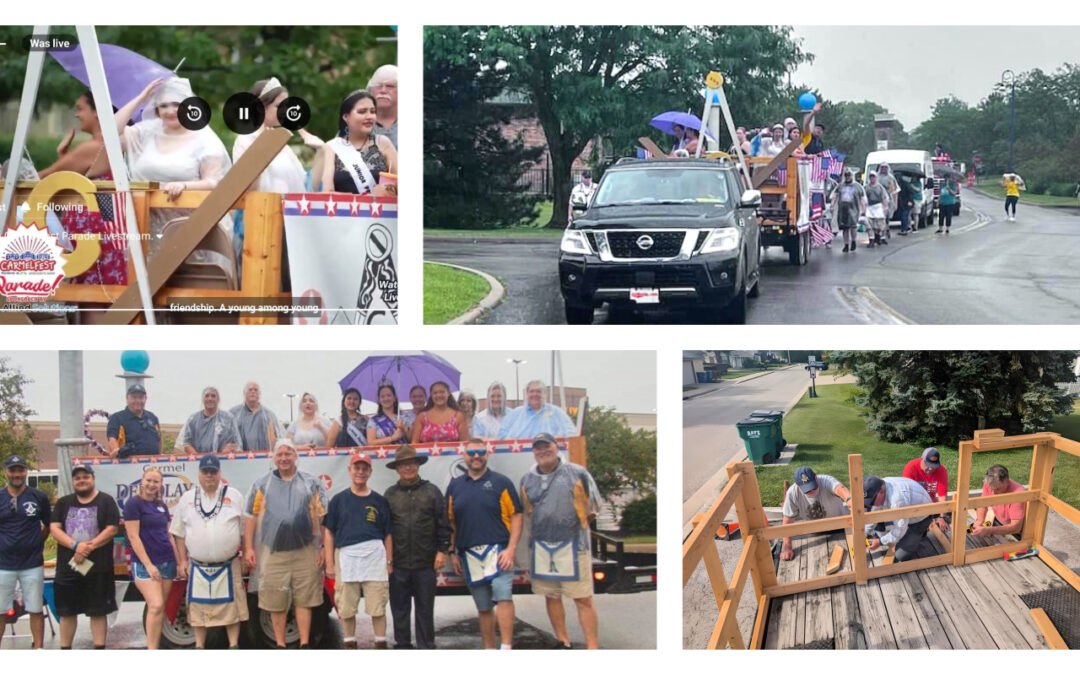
column 312, row 429
column 153, row 553
column 359, row 155
column 350, row 431
column 387, row 426
column 440, row 420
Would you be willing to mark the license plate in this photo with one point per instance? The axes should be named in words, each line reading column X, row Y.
column 647, row 579
column 645, row 296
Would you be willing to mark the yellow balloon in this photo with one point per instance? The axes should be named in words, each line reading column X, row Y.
column 86, row 251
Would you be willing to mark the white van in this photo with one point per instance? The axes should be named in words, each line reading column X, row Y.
column 923, row 212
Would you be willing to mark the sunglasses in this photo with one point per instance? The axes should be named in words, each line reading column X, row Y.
column 473, row 453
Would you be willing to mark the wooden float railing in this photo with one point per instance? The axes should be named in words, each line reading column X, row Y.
column 756, row 562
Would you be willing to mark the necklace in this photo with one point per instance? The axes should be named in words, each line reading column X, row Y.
column 220, row 501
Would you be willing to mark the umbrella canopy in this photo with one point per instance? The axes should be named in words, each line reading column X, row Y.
column 404, row 370
column 126, row 72
column 948, row 172
column 666, row 122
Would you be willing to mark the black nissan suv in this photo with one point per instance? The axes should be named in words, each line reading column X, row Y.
column 663, row 234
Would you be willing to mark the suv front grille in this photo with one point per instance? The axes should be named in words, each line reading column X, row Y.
column 624, row 243
column 659, row 277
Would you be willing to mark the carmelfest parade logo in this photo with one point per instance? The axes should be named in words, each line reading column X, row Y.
column 31, row 266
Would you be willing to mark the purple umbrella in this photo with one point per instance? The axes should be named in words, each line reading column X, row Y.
column 126, row 72
column 404, row 370
column 666, row 122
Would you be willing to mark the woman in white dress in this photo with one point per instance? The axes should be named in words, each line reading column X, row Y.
column 311, row 429
column 285, row 173
column 159, row 149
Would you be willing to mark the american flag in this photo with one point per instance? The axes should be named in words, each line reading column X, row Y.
column 114, row 215
column 817, row 205
column 823, row 166
column 820, row 234
column 781, row 176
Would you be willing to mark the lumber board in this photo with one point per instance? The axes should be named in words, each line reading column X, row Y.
column 936, row 532
column 760, row 621
column 752, row 515
column 1062, row 570
column 999, row 626
column 902, row 617
column 807, row 552
column 953, row 608
column 704, row 532
column 876, row 624
column 1035, row 571
column 1046, row 627
column 890, row 555
column 818, row 621
column 939, row 632
column 1068, row 511
column 836, row 560
column 1067, row 445
column 1011, row 606
column 795, row 587
column 960, row 508
column 819, row 526
column 783, row 612
column 848, row 630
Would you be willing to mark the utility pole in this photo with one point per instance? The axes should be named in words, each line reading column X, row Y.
column 517, row 376
column 1008, row 77
column 72, row 442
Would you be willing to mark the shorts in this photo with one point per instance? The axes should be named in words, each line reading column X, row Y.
column 167, row 570
column 581, row 588
column 347, row 597
column 203, row 615
column 31, row 583
column 286, row 571
column 499, row 589
column 93, row 595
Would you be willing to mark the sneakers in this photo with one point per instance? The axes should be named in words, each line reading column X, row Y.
column 563, row 645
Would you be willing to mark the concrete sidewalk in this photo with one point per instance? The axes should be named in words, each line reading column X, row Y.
column 710, row 387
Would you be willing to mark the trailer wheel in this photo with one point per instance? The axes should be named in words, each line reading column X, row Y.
column 260, row 628
column 176, row 634
column 796, row 251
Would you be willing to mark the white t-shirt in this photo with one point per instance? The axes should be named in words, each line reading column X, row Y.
column 826, row 504
column 211, row 540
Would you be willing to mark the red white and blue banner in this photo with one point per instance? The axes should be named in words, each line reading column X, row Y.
column 343, row 252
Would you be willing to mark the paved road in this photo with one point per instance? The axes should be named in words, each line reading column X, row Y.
column 987, row 271
column 627, row 621
column 710, row 439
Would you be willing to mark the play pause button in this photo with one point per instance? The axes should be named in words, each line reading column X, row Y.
column 243, row 113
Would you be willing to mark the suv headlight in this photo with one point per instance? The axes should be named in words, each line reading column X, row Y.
column 720, row 240
column 574, row 241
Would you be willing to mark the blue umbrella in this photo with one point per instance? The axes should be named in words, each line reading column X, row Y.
column 404, row 370
column 666, row 122
column 127, row 72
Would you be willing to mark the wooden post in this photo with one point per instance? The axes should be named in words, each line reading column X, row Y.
column 752, row 517
column 1043, row 463
column 578, row 452
column 858, row 528
column 959, row 521
column 263, row 227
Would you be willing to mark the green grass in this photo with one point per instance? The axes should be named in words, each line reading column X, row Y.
column 534, row 229
column 688, row 388
column 734, row 374
column 994, row 189
column 450, row 292
column 830, row 427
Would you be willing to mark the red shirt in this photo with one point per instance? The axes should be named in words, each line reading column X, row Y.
column 935, row 483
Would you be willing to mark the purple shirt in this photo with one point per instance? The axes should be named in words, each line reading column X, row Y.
column 153, row 518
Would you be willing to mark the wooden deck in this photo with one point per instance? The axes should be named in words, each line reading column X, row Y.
column 975, row 606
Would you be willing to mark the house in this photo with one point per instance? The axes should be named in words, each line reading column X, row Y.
column 694, row 363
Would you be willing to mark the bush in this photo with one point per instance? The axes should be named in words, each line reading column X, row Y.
column 639, row 516
column 42, row 149
column 1061, row 189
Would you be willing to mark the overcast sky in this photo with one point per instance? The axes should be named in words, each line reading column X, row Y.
column 623, row 379
column 907, row 69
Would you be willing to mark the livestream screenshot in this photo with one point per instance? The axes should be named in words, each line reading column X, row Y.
column 209, row 175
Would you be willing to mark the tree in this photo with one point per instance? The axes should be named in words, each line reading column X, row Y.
column 471, row 170
column 619, row 459
column 943, row 396
column 16, row 434
column 591, row 81
column 849, row 127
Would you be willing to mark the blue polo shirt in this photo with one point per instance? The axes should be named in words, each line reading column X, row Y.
column 354, row 519
column 22, row 540
column 480, row 509
column 136, row 435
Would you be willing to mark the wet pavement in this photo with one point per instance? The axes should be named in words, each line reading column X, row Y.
column 627, row 621
column 986, row 271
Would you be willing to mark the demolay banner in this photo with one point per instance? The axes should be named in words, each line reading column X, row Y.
column 343, row 252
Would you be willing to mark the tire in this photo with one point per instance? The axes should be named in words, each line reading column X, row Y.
column 176, row 634
column 807, row 245
column 796, row 252
column 735, row 311
column 577, row 315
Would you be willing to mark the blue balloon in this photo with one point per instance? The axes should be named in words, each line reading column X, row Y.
column 134, row 361
column 807, row 101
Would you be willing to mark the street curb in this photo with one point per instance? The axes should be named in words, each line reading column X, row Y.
column 740, row 380
column 494, row 296
column 493, row 240
column 1064, row 207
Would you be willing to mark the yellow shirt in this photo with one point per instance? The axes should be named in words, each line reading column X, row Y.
column 1012, row 188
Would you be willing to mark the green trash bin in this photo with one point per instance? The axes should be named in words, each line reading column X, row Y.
column 777, row 417
column 760, row 435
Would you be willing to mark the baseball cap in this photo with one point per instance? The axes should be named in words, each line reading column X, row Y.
column 543, row 437
column 14, row 461
column 82, row 467
column 806, row 479
column 586, row 173
column 871, row 485
column 136, row 389
column 210, row 462
column 360, row 457
column 932, row 458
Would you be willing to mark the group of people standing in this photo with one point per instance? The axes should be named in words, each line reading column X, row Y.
column 436, row 415
column 286, row 534
column 360, row 159
column 924, row 480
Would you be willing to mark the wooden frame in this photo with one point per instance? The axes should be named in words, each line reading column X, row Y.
column 755, row 561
